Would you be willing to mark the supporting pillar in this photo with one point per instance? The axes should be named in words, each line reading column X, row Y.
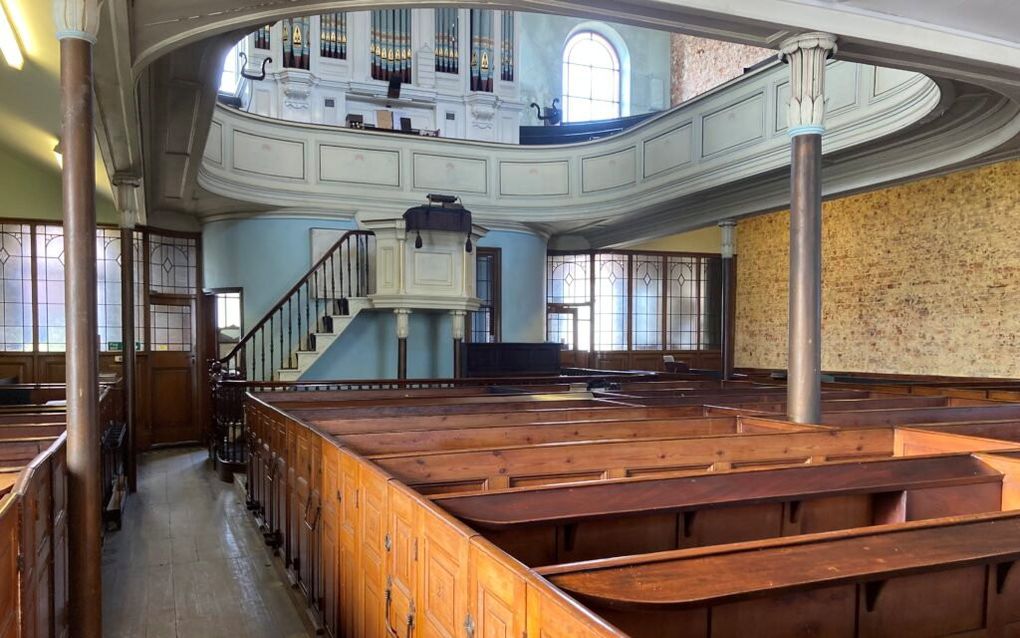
column 126, row 192
column 403, row 321
column 458, row 318
column 77, row 24
column 729, row 289
column 806, row 55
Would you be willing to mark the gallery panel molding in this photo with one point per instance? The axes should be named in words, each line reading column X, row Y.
column 726, row 135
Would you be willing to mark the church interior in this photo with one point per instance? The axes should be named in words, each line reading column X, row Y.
column 569, row 319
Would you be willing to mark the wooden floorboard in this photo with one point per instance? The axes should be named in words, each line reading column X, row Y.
column 189, row 561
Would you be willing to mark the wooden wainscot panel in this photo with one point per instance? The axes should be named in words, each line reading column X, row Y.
column 329, row 537
column 18, row 367
column 61, row 590
column 351, row 595
column 498, row 593
column 444, row 573
column 372, row 512
column 9, row 529
column 401, row 545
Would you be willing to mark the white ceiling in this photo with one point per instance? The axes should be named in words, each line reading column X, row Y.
column 990, row 18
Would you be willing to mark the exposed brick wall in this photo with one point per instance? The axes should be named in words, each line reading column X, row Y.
column 700, row 65
column 922, row 278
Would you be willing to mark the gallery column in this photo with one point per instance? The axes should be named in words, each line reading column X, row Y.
column 126, row 190
column 807, row 55
column 457, row 318
column 77, row 23
column 729, row 280
column 403, row 328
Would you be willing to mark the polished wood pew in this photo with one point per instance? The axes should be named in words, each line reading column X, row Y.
column 407, row 442
column 910, row 416
column 834, row 405
column 518, row 466
column 541, row 526
column 340, row 493
column 329, row 421
column 943, row 577
column 33, row 539
column 958, row 437
column 506, row 413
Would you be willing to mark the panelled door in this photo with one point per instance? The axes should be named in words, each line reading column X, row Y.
column 171, row 407
column 173, row 371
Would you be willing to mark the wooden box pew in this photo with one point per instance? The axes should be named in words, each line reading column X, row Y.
column 952, row 437
column 33, row 546
column 560, row 524
column 17, row 451
column 912, row 416
column 532, row 402
column 376, row 560
column 328, row 421
column 965, row 391
column 519, row 466
column 8, row 477
column 833, row 405
column 440, row 400
column 403, row 411
column 29, row 393
column 749, row 394
column 944, row 577
column 726, row 398
column 484, row 436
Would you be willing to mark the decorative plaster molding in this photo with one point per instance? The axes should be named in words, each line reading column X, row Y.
column 807, row 56
column 76, row 19
column 744, row 150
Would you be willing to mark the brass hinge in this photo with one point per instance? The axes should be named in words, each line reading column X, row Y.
column 339, row 496
column 469, row 626
column 416, row 549
column 388, row 542
column 21, row 562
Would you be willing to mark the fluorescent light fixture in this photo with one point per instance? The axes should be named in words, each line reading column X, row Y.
column 58, row 154
column 9, row 46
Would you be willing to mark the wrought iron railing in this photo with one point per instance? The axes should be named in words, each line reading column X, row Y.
column 343, row 272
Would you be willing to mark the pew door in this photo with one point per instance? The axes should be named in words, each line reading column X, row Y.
column 173, row 370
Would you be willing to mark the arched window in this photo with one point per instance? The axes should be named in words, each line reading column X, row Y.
column 591, row 78
column 231, row 78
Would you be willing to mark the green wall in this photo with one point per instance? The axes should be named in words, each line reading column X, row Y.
column 31, row 190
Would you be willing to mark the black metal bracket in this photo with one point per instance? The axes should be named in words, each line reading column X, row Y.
column 252, row 76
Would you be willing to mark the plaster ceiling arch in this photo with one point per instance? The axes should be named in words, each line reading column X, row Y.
column 911, row 34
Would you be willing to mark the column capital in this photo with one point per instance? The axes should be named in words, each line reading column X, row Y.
column 126, row 191
column 76, row 19
column 403, row 322
column 729, row 244
column 458, row 317
column 807, row 54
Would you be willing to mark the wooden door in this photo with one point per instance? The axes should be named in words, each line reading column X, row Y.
column 173, row 371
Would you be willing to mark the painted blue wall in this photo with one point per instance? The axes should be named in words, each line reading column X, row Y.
column 266, row 256
column 523, row 282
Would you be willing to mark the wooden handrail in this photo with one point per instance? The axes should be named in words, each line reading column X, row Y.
column 250, row 335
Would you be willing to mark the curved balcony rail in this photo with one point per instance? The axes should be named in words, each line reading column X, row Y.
column 733, row 133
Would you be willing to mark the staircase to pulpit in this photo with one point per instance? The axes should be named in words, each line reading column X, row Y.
column 308, row 319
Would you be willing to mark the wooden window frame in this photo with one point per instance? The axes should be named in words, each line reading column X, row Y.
column 700, row 283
